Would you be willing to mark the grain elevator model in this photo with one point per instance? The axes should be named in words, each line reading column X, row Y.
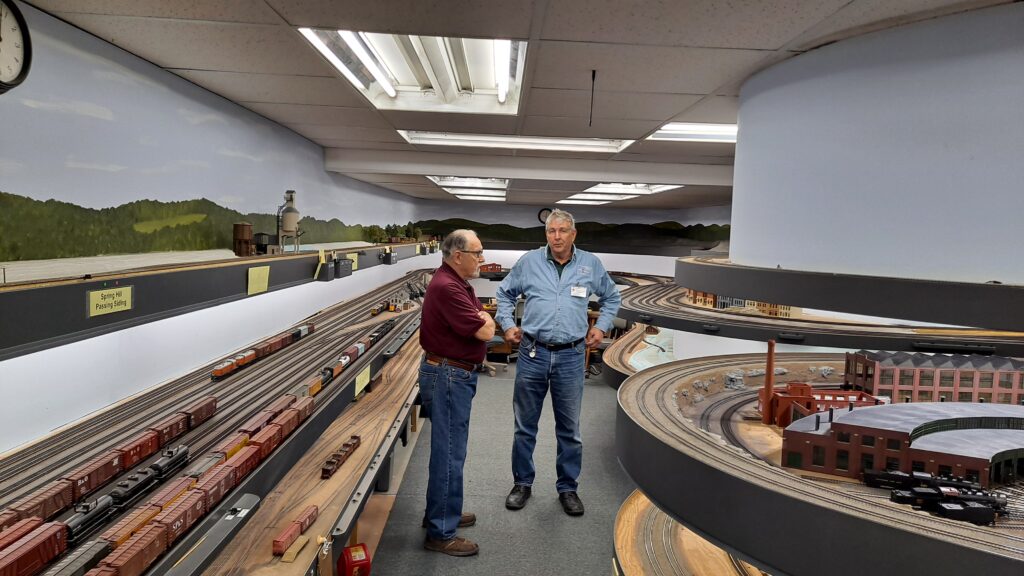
column 288, row 221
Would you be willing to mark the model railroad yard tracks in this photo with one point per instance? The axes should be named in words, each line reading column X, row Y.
column 649, row 412
column 242, row 398
column 665, row 305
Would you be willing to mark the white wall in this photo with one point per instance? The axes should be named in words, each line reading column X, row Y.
column 897, row 153
column 690, row 345
column 51, row 388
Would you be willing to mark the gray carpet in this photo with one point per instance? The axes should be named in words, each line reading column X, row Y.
column 540, row 539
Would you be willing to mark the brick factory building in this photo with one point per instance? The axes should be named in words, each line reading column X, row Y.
column 799, row 399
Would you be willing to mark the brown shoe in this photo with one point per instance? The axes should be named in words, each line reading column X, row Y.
column 455, row 547
column 468, row 519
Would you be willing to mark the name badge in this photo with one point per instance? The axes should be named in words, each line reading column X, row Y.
column 579, row 291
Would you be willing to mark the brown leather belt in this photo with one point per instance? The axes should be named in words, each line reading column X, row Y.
column 435, row 360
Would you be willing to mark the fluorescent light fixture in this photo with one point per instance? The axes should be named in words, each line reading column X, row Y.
column 475, row 192
column 502, row 53
column 695, row 132
column 486, row 198
column 586, row 202
column 602, row 196
column 331, row 57
column 514, row 142
column 464, row 182
column 357, row 47
column 635, row 189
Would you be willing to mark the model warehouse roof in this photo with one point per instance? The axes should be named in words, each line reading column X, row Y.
column 906, row 417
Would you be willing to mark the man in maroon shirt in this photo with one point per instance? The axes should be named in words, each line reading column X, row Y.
column 453, row 334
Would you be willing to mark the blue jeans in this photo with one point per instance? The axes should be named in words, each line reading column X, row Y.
column 447, row 396
column 562, row 372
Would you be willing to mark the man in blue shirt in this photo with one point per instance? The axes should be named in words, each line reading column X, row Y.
column 557, row 282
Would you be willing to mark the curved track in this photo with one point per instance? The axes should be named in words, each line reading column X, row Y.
column 687, row 471
column 664, row 305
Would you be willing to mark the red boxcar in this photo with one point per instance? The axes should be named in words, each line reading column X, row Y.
column 172, row 491
column 35, row 550
column 216, row 484
column 18, row 531
column 139, row 552
column 305, row 408
column 267, row 439
column 138, row 449
column 308, row 516
column 171, row 427
column 200, row 411
column 244, row 462
column 280, row 404
column 181, row 515
column 47, row 502
column 365, row 341
column 286, row 538
column 288, row 421
column 130, row 525
column 232, row 445
column 256, row 423
column 95, row 474
column 102, row 571
column 352, row 352
column 8, row 518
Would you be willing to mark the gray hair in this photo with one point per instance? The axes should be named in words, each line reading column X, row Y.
column 559, row 214
column 457, row 240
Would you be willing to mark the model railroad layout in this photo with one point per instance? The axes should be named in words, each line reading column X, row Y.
column 80, row 480
column 664, row 305
column 727, row 490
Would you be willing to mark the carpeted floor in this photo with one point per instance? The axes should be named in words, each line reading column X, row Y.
column 538, row 540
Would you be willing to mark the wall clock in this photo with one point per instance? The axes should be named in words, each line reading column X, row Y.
column 543, row 215
column 15, row 46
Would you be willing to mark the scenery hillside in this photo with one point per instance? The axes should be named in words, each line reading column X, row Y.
column 591, row 233
column 37, row 230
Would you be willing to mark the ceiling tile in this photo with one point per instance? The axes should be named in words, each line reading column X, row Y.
column 247, row 11
column 465, row 150
column 316, row 131
column 620, row 105
column 462, row 18
column 713, row 109
column 325, row 115
column 447, row 122
column 578, row 128
column 362, row 144
column 198, row 45
column 279, row 88
column 398, row 179
column 551, row 186
column 712, row 23
column 625, row 68
column 656, row 147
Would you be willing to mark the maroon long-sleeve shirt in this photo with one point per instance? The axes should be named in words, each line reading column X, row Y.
column 449, row 318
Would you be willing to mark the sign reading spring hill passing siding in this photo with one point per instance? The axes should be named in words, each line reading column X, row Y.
column 110, row 300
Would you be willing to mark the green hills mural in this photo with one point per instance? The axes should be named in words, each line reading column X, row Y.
column 36, row 230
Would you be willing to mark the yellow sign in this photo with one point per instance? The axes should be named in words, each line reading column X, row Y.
column 362, row 380
column 110, row 300
column 418, row 248
column 259, row 279
column 355, row 261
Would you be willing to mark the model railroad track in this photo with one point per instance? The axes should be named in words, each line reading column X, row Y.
column 27, row 469
column 665, row 305
column 648, row 399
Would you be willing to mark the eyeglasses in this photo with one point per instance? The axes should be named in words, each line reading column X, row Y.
column 478, row 253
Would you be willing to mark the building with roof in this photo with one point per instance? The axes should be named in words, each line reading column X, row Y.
column 907, row 377
column 800, row 399
column 980, row 441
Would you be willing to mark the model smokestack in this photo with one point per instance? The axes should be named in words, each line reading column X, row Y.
column 767, row 417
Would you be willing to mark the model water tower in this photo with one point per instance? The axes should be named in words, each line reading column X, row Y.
column 288, row 221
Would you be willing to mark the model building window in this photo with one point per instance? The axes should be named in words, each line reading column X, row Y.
column 972, row 475
column 967, row 379
column 867, row 440
column 946, row 379
column 843, row 437
column 892, row 463
column 906, row 378
column 818, row 455
column 905, row 395
column 924, row 396
column 985, row 381
column 1006, row 380
column 927, row 378
column 965, row 397
column 867, row 462
column 945, row 470
column 794, row 459
column 1006, row 398
column 842, row 460
column 885, row 378
column 917, row 466
column 985, row 397
column 892, row 444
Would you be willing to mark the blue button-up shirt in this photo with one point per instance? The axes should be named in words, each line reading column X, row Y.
column 553, row 315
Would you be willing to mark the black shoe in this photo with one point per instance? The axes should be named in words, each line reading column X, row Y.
column 571, row 503
column 517, row 497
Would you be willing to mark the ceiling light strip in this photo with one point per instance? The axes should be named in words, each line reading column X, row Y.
column 357, row 47
column 603, row 196
column 696, row 132
column 584, row 202
column 514, row 142
column 502, row 56
column 331, row 57
column 485, row 198
column 475, row 192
